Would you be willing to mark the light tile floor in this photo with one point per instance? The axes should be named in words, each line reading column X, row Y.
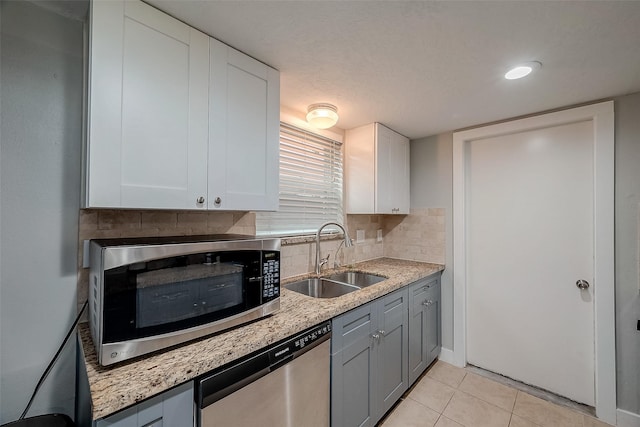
column 448, row 396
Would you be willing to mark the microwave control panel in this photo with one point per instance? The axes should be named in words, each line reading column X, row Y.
column 270, row 275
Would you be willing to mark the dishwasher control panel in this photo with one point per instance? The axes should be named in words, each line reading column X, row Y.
column 302, row 342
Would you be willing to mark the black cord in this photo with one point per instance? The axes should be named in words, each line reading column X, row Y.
column 53, row 361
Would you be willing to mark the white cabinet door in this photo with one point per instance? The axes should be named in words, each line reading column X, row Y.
column 377, row 171
column 148, row 111
column 244, row 132
column 360, row 170
column 392, row 172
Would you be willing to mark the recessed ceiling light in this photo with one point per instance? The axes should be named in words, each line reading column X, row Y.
column 522, row 70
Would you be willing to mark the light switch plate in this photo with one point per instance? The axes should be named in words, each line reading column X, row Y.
column 359, row 236
column 379, row 237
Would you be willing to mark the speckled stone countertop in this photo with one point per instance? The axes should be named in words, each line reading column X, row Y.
column 117, row 387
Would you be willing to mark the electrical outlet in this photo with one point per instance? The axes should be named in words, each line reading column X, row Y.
column 359, row 236
column 85, row 254
column 379, row 237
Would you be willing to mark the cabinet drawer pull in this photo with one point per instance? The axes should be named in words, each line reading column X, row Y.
column 154, row 423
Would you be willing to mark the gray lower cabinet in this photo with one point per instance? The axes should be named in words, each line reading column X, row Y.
column 170, row 409
column 369, row 360
column 425, row 338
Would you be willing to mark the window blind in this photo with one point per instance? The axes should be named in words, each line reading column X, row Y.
column 310, row 184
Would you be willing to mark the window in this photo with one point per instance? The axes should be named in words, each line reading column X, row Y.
column 310, row 184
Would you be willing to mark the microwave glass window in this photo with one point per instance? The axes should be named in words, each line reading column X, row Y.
column 172, row 294
column 175, row 293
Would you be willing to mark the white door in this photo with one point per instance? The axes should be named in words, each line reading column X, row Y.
column 530, row 238
column 600, row 175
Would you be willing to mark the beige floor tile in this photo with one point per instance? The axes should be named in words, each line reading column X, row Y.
column 446, row 422
column 446, row 373
column 545, row 413
column 473, row 412
column 490, row 391
column 517, row 421
column 433, row 394
column 411, row 414
column 593, row 422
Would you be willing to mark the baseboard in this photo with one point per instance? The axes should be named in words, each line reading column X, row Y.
column 627, row 419
column 446, row 355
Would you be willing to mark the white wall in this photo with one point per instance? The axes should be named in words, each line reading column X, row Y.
column 432, row 187
column 40, row 136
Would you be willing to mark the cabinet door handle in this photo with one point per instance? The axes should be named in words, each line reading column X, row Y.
column 427, row 303
column 375, row 336
column 218, row 201
column 382, row 332
column 200, row 200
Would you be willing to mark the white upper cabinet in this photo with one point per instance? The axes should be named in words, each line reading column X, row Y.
column 176, row 119
column 244, row 129
column 377, row 171
column 148, row 109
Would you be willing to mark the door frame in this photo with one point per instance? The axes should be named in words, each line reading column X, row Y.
column 602, row 116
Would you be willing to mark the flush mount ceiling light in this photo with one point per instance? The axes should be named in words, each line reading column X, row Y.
column 522, row 70
column 322, row 116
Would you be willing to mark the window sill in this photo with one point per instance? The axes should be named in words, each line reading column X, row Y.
column 308, row 238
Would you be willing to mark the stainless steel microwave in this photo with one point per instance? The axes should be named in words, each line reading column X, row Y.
column 147, row 294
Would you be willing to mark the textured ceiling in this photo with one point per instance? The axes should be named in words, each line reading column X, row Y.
column 426, row 67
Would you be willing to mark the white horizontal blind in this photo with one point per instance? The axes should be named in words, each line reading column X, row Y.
column 310, row 184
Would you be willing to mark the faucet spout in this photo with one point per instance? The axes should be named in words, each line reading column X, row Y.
column 347, row 241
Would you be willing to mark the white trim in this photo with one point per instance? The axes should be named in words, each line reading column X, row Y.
column 447, row 355
column 628, row 419
column 602, row 116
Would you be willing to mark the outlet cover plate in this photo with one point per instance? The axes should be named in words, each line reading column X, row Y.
column 359, row 236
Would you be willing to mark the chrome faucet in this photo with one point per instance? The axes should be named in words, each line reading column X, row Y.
column 347, row 243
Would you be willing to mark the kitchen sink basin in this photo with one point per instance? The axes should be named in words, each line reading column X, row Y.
column 356, row 278
column 321, row 288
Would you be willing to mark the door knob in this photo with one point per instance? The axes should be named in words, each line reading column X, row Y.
column 582, row 284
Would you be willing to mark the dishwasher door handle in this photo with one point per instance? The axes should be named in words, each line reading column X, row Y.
column 220, row 394
column 221, row 384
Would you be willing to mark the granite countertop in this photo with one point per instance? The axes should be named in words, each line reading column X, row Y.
column 116, row 387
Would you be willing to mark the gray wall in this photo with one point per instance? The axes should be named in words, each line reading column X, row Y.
column 40, row 151
column 627, row 242
column 431, row 186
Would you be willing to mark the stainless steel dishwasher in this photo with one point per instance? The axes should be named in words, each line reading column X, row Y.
column 283, row 385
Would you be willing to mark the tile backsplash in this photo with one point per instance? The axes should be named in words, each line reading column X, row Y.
column 419, row 236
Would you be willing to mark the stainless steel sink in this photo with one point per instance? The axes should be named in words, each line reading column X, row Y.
column 321, row 288
column 356, row 278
